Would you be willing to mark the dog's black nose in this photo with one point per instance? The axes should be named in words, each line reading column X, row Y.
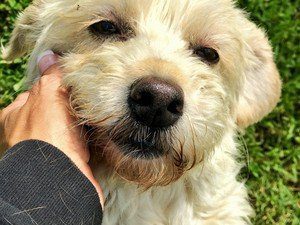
column 155, row 102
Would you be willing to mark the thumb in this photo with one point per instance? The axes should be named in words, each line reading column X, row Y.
column 48, row 64
column 50, row 72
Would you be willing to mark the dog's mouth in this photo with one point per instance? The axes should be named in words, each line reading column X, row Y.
column 134, row 141
column 141, row 149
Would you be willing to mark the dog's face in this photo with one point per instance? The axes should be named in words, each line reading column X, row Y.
column 161, row 81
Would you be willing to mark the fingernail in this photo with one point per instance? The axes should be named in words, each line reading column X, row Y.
column 46, row 60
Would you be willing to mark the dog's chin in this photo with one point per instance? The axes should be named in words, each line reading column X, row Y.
column 141, row 163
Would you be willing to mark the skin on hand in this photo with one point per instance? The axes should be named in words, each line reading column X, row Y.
column 43, row 114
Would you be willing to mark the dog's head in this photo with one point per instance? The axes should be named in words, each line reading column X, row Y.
column 161, row 81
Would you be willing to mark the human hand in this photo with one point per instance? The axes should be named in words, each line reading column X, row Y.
column 43, row 114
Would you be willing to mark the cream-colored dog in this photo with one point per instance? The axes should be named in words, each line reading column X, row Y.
column 165, row 85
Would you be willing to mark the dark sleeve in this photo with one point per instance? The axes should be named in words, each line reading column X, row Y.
column 40, row 185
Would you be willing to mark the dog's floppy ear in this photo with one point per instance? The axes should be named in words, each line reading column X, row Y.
column 262, row 86
column 24, row 35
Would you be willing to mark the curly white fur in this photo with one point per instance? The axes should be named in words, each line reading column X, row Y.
column 219, row 99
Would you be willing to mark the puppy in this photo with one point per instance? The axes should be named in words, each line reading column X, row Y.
column 164, row 86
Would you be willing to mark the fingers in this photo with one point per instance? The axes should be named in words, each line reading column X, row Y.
column 9, row 116
column 22, row 98
column 17, row 104
column 47, row 63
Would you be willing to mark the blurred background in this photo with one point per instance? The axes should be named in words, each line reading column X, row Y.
column 271, row 147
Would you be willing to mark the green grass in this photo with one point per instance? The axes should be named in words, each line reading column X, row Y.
column 273, row 144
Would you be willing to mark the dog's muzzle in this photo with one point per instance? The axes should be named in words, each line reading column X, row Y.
column 155, row 107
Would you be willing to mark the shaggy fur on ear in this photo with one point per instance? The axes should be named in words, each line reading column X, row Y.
column 262, row 85
column 24, row 35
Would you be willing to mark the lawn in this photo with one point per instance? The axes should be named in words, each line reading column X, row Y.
column 273, row 145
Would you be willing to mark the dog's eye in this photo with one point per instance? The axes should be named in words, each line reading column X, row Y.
column 209, row 55
column 104, row 27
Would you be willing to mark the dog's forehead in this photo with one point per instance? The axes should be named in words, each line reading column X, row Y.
column 159, row 9
column 193, row 18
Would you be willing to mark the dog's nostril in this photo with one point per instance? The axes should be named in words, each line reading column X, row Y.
column 142, row 98
column 176, row 107
column 155, row 102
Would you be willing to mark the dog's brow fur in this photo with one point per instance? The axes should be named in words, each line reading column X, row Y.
column 194, row 180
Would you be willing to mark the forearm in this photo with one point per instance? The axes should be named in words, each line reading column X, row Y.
column 39, row 183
